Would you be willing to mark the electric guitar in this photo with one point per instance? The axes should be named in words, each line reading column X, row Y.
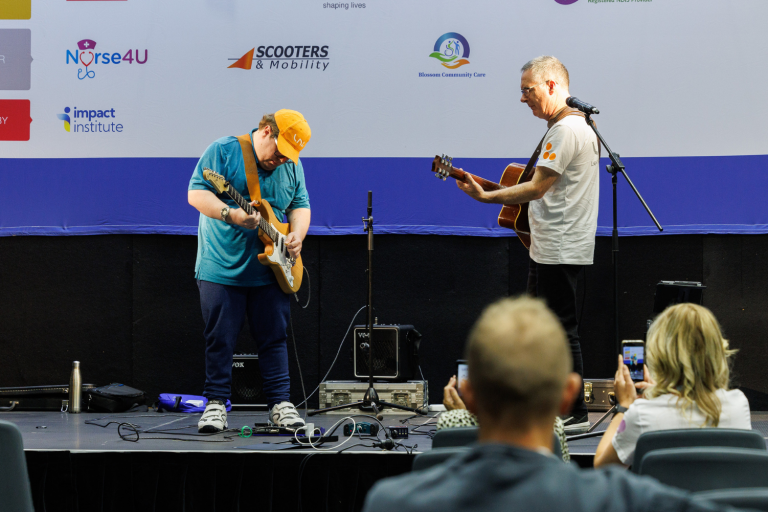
column 512, row 216
column 272, row 233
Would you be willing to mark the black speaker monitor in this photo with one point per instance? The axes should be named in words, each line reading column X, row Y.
column 247, row 390
column 669, row 293
column 395, row 352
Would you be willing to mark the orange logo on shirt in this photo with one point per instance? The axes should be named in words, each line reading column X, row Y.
column 547, row 155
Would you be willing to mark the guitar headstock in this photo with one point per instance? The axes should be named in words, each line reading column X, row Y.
column 217, row 180
column 442, row 166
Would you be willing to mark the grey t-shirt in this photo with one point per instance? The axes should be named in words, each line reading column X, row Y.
column 504, row 478
column 564, row 221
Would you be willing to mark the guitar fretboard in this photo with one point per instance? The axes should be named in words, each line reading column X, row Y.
column 242, row 203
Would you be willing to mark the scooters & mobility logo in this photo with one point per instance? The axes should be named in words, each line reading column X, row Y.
column 451, row 51
column 90, row 120
column 315, row 57
column 87, row 56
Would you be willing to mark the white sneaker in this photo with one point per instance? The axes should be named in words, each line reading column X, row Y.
column 214, row 417
column 575, row 425
column 284, row 414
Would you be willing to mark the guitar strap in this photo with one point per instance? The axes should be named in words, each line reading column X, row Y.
column 251, row 170
column 565, row 111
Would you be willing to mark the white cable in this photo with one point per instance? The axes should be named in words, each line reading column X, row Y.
column 331, row 429
column 335, row 358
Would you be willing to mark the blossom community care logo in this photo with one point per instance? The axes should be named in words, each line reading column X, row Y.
column 452, row 50
column 90, row 120
column 86, row 56
column 566, row 2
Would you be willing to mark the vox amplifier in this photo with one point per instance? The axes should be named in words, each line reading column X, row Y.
column 395, row 352
column 246, row 382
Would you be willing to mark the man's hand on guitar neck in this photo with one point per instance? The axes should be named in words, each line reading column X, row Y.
column 542, row 181
column 244, row 220
column 472, row 189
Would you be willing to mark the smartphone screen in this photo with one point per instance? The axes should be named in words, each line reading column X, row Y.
column 462, row 373
column 634, row 357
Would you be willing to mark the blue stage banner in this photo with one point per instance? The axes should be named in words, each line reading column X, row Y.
column 95, row 196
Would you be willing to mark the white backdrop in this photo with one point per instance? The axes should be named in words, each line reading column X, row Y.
column 672, row 77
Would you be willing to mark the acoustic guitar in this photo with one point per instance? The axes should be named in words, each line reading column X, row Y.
column 512, row 216
column 272, row 233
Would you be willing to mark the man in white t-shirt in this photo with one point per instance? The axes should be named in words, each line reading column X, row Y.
column 563, row 197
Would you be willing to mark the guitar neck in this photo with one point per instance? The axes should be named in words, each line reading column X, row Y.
column 265, row 226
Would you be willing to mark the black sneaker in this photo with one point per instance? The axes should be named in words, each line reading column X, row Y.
column 576, row 424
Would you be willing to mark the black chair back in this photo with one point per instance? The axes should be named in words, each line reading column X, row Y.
column 455, row 436
column 755, row 499
column 684, row 438
column 15, row 493
column 704, row 468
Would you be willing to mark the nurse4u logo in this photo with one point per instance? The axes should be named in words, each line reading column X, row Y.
column 86, row 58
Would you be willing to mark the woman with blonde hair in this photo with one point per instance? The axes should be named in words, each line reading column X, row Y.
column 686, row 384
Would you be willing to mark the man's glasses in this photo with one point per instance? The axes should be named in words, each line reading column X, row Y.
column 525, row 90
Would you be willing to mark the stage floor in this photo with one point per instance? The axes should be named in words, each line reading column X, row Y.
column 77, row 467
column 175, row 432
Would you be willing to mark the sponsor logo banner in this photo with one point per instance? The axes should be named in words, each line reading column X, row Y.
column 14, row 120
column 15, row 59
column 80, row 120
column 297, row 57
column 87, row 58
column 451, row 51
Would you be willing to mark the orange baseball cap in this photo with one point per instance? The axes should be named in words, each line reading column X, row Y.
column 294, row 133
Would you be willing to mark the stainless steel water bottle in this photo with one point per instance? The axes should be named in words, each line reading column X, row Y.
column 75, row 388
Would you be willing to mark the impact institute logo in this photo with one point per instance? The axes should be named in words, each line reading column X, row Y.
column 65, row 117
column 90, row 121
column 452, row 50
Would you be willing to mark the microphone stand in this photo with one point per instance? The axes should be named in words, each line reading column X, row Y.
column 615, row 168
column 371, row 398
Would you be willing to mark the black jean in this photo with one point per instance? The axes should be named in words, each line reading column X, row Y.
column 556, row 284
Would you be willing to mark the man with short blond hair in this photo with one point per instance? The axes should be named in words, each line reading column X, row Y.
column 563, row 197
column 519, row 380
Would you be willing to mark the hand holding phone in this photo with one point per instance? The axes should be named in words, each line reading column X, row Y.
column 451, row 399
column 623, row 386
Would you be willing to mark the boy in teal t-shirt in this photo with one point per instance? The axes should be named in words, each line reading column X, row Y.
column 233, row 284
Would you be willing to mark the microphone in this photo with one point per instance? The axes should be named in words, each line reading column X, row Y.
column 576, row 103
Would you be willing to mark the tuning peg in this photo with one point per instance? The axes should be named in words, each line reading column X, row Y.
column 443, row 178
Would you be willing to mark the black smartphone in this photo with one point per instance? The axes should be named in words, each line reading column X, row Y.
column 634, row 357
column 462, row 373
